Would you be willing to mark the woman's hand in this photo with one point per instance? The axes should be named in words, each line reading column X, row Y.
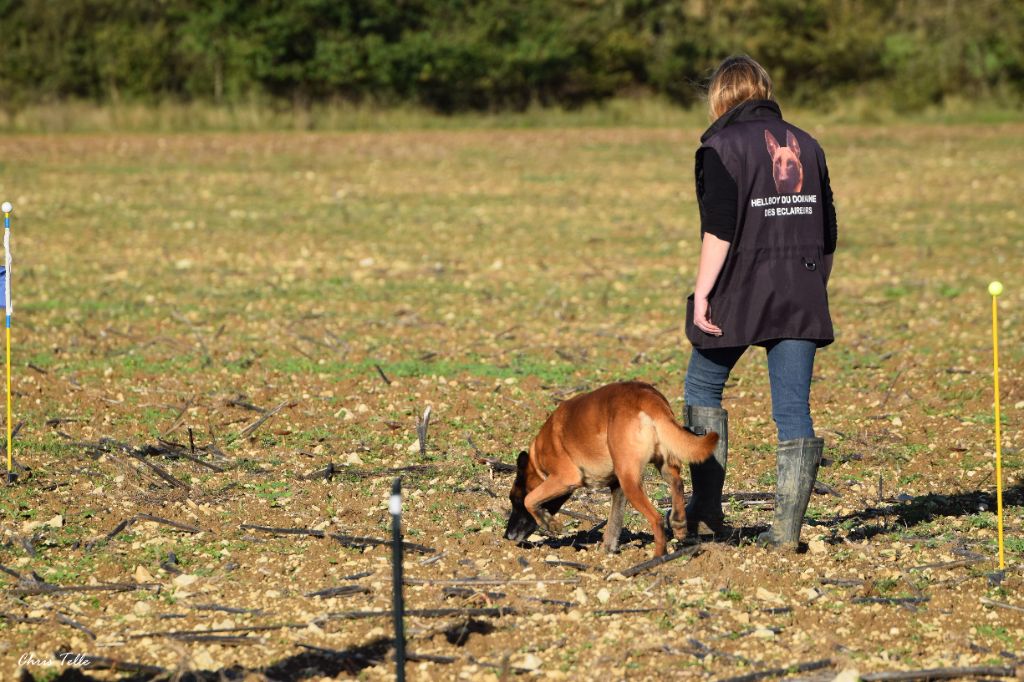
column 701, row 317
column 712, row 257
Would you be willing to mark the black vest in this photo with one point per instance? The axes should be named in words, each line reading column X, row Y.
column 772, row 285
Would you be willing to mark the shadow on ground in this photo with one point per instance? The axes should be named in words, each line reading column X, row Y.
column 311, row 663
column 900, row 513
column 907, row 512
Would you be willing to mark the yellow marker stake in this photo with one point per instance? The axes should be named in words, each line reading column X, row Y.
column 996, row 288
column 7, row 208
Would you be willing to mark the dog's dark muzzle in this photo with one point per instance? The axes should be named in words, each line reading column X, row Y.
column 520, row 526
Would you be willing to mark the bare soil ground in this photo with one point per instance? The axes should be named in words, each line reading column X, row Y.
column 171, row 291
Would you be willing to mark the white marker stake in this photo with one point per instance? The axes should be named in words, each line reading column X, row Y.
column 397, row 578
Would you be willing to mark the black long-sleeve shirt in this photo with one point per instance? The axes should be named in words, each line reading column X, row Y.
column 720, row 196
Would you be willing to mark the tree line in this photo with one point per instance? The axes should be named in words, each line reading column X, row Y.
column 491, row 55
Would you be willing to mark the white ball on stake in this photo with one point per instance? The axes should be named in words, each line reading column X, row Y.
column 6, row 207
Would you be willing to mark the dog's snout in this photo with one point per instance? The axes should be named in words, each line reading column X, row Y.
column 520, row 525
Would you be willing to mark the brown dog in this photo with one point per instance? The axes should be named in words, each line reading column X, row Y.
column 604, row 438
column 787, row 171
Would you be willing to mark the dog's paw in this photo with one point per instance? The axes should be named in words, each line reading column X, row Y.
column 680, row 531
column 553, row 529
column 549, row 525
column 676, row 525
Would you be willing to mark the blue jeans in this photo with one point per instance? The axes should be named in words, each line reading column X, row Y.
column 790, row 364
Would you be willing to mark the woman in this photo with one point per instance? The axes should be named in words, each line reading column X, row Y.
column 768, row 231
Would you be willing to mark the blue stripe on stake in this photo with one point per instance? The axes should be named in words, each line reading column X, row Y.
column 397, row 602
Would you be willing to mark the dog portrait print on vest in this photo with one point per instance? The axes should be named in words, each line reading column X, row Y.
column 786, row 167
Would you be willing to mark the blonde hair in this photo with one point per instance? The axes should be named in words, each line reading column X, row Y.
column 736, row 80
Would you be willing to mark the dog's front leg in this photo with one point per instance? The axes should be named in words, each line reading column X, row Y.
column 613, row 530
column 550, row 489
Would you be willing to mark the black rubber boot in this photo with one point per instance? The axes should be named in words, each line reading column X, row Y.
column 797, row 467
column 708, row 477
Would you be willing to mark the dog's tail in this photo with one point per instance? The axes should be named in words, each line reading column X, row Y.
column 684, row 446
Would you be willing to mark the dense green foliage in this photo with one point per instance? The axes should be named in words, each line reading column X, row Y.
column 455, row 55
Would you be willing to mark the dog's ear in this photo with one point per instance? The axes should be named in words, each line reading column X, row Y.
column 791, row 142
column 524, row 458
column 773, row 144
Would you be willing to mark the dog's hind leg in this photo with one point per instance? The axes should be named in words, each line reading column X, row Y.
column 632, row 442
column 677, row 517
column 613, row 529
column 550, row 489
column 634, row 492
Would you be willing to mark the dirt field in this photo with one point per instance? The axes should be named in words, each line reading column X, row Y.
column 172, row 291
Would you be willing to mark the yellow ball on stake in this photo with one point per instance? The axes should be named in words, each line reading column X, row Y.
column 995, row 288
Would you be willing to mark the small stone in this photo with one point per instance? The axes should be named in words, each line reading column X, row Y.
column 765, row 595
column 528, row 662
column 615, row 577
column 202, row 660
column 603, row 595
column 816, row 546
column 185, row 579
column 581, row 596
column 56, row 522
column 141, row 608
column 896, row 421
column 848, row 675
column 142, row 575
column 763, row 633
column 353, row 459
